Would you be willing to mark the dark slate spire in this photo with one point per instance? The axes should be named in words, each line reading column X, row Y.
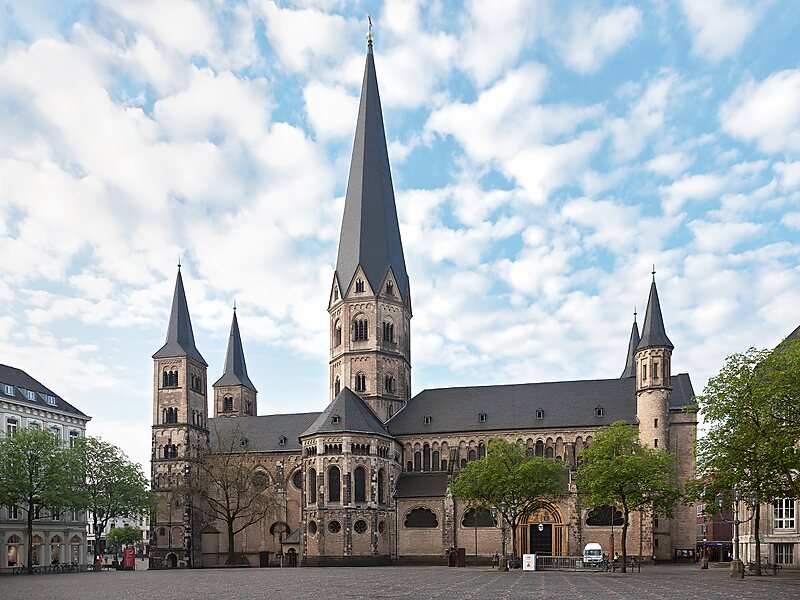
column 370, row 234
column 235, row 367
column 653, row 333
column 630, row 363
column 347, row 412
column 180, row 339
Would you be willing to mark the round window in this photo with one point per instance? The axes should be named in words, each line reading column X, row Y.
column 381, row 527
column 334, row 527
column 297, row 479
column 360, row 526
column 312, row 527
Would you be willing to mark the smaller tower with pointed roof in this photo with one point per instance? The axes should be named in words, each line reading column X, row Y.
column 234, row 393
column 179, row 431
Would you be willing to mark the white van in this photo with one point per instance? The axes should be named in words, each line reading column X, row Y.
column 593, row 553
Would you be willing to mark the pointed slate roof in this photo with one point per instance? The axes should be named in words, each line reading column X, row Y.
column 180, row 339
column 235, row 367
column 630, row 363
column 370, row 234
column 354, row 416
column 653, row 333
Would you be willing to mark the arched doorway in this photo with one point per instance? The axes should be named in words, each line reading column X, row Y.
column 544, row 532
column 292, row 556
column 172, row 561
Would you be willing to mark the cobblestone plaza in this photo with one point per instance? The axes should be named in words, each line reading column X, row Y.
column 413, row 583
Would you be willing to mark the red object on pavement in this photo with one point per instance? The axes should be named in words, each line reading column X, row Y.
column 129, row 559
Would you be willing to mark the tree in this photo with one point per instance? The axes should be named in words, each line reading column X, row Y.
column 38, row 471
column 223, row 485
column 127, row 534
column 751, row 409
column 617, row 470
column 114, row 486
column 508, row 476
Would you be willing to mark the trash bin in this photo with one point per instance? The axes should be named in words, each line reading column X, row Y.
column 452, row 557
column 462, row 557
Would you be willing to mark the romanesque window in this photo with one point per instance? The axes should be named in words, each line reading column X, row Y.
column 337, row 386
column 312, row 528
column 655, row 370
column 334, row 527
column 248, row 408
column 260, row 481
column 463, row 462
column 417, row 461
column 388, row 331
column 381, row 527
column 337, row 333
column 444, row 465
column 335, row 293
column 388, row 384
column 548, row 452
column 170, row 451
column 170, row 415
column 361, row 382
column 390, row 288
column 409, row 466
column 603, row 515
column 227, row 404
column 484, row 518
column 421, row 518
column 426, row 457
column 360, row 484
column 655, row 443
column 297, row 479
column 381, row 486
column 334, row 485
column 360, row 526
column 655, row 422
column 644, row 372
column 435, row 460
column 472, row 455
column 539, row 448
column 481, row 450
column 359, row 285
column 360, row 326
column 170, row 379
column 312, row 486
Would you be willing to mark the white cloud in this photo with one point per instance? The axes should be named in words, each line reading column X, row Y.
column 593, row 37
column 330, row 110
column 721, row 237
column 719, row 27
column 691, row 187
column 671, row 164
column 789, row 174
column 766, row 112
column 791, row 220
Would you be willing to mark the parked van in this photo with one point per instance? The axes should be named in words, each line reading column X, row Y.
column 593, row 553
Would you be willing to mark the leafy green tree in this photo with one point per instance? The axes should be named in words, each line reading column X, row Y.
column 508, row 476
column 114, row 487
column 37, row 471
column 119, row 536
column 751, row 408
column 618, row 470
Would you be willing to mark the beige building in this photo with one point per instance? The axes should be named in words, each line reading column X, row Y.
column 366, row 481
column 61, row 538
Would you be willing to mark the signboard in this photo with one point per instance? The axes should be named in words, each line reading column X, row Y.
column 129, row 559
column 528, row 562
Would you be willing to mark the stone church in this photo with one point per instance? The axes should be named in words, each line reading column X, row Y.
column 366, row 480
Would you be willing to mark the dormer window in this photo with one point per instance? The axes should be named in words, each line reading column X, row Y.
column 427, row 419
column 51, row 400
column 336, row 419
column 359, row 285
column 482, row 417
column 244, row 441
column 390, row 288
column 282, row 440
column 8, row 390
column 539, row 413
column 598, row 411
column 29, row 394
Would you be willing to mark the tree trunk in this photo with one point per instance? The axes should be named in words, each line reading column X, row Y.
column 230, row 543
column 29, row 534
column 625, row 516
column 756, row 527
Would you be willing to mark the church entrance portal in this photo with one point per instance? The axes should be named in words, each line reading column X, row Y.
column 541, row 539
column 545, row 532
column 172, row 561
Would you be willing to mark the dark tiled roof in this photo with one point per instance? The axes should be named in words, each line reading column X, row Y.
column 263, row 433
column 235, row 366
column 180, row 338
column 422, row 485
column 370, row 234
column 653, row 332
column 353, row 416
column 20, row 380
column 509, row 407
column 630, row 362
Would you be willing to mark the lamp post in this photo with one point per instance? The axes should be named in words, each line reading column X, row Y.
column 737, row 568
column 513, row 534
column 495, row 511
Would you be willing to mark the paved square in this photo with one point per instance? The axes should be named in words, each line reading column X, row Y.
column 412, row 583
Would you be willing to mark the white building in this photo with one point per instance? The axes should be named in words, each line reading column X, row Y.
column 142, row 524
column 24, row 402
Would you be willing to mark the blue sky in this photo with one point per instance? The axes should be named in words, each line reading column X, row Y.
column 544, row 155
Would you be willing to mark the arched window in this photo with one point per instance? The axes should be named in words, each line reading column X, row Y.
column 540, row 448
column 388, row 331
column 417, row 461
column 360, row 484
column 312, row 486
column 381, row 485
column 337, row 386
column 334, row 485
column 472, row 455
column 548, row 452
column 360, row 325
column 603, row 516
column 426, row 458
column 335, row 293
column 409, row 467
column 390, row 288
column 484, row 519
column 171, row 416
column 337, row 333
column 166, row 379
column 444, row 465
column 359, row 285
column 388, row 384
column 421, row 518
column 463, row 462
column 481, row 450
column 435, row 460
column 227, row 404
column 248, row 408
column 361, row 382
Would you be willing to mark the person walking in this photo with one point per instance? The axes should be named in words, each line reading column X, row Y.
column 495, row 560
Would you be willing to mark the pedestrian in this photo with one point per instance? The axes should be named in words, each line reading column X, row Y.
column 496, row 560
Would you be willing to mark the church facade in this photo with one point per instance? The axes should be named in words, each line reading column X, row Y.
column 366, row 480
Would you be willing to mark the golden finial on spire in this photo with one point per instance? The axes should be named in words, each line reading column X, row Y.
column 369, row 31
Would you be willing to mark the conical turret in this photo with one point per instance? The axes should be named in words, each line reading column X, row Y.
column 653, row 332
column 235, row 366
column 630, row 363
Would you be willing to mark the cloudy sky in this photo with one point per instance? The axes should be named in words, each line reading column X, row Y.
column 544, row 157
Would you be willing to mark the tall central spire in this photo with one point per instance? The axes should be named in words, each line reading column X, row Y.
column 370, row 235
column 180, row 338
column 235, row 366
column 653, row 332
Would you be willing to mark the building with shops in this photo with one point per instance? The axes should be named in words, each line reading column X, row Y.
column 98, row 548
column 24, row 402
column 366, row 480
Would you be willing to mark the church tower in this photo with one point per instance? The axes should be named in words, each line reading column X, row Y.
column 179, row 432
column 630, row 361
column 370, row 300
column 234, row 393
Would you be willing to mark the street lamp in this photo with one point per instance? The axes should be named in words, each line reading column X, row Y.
column 503, row 534
column 737, row 568
column 513, row 534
